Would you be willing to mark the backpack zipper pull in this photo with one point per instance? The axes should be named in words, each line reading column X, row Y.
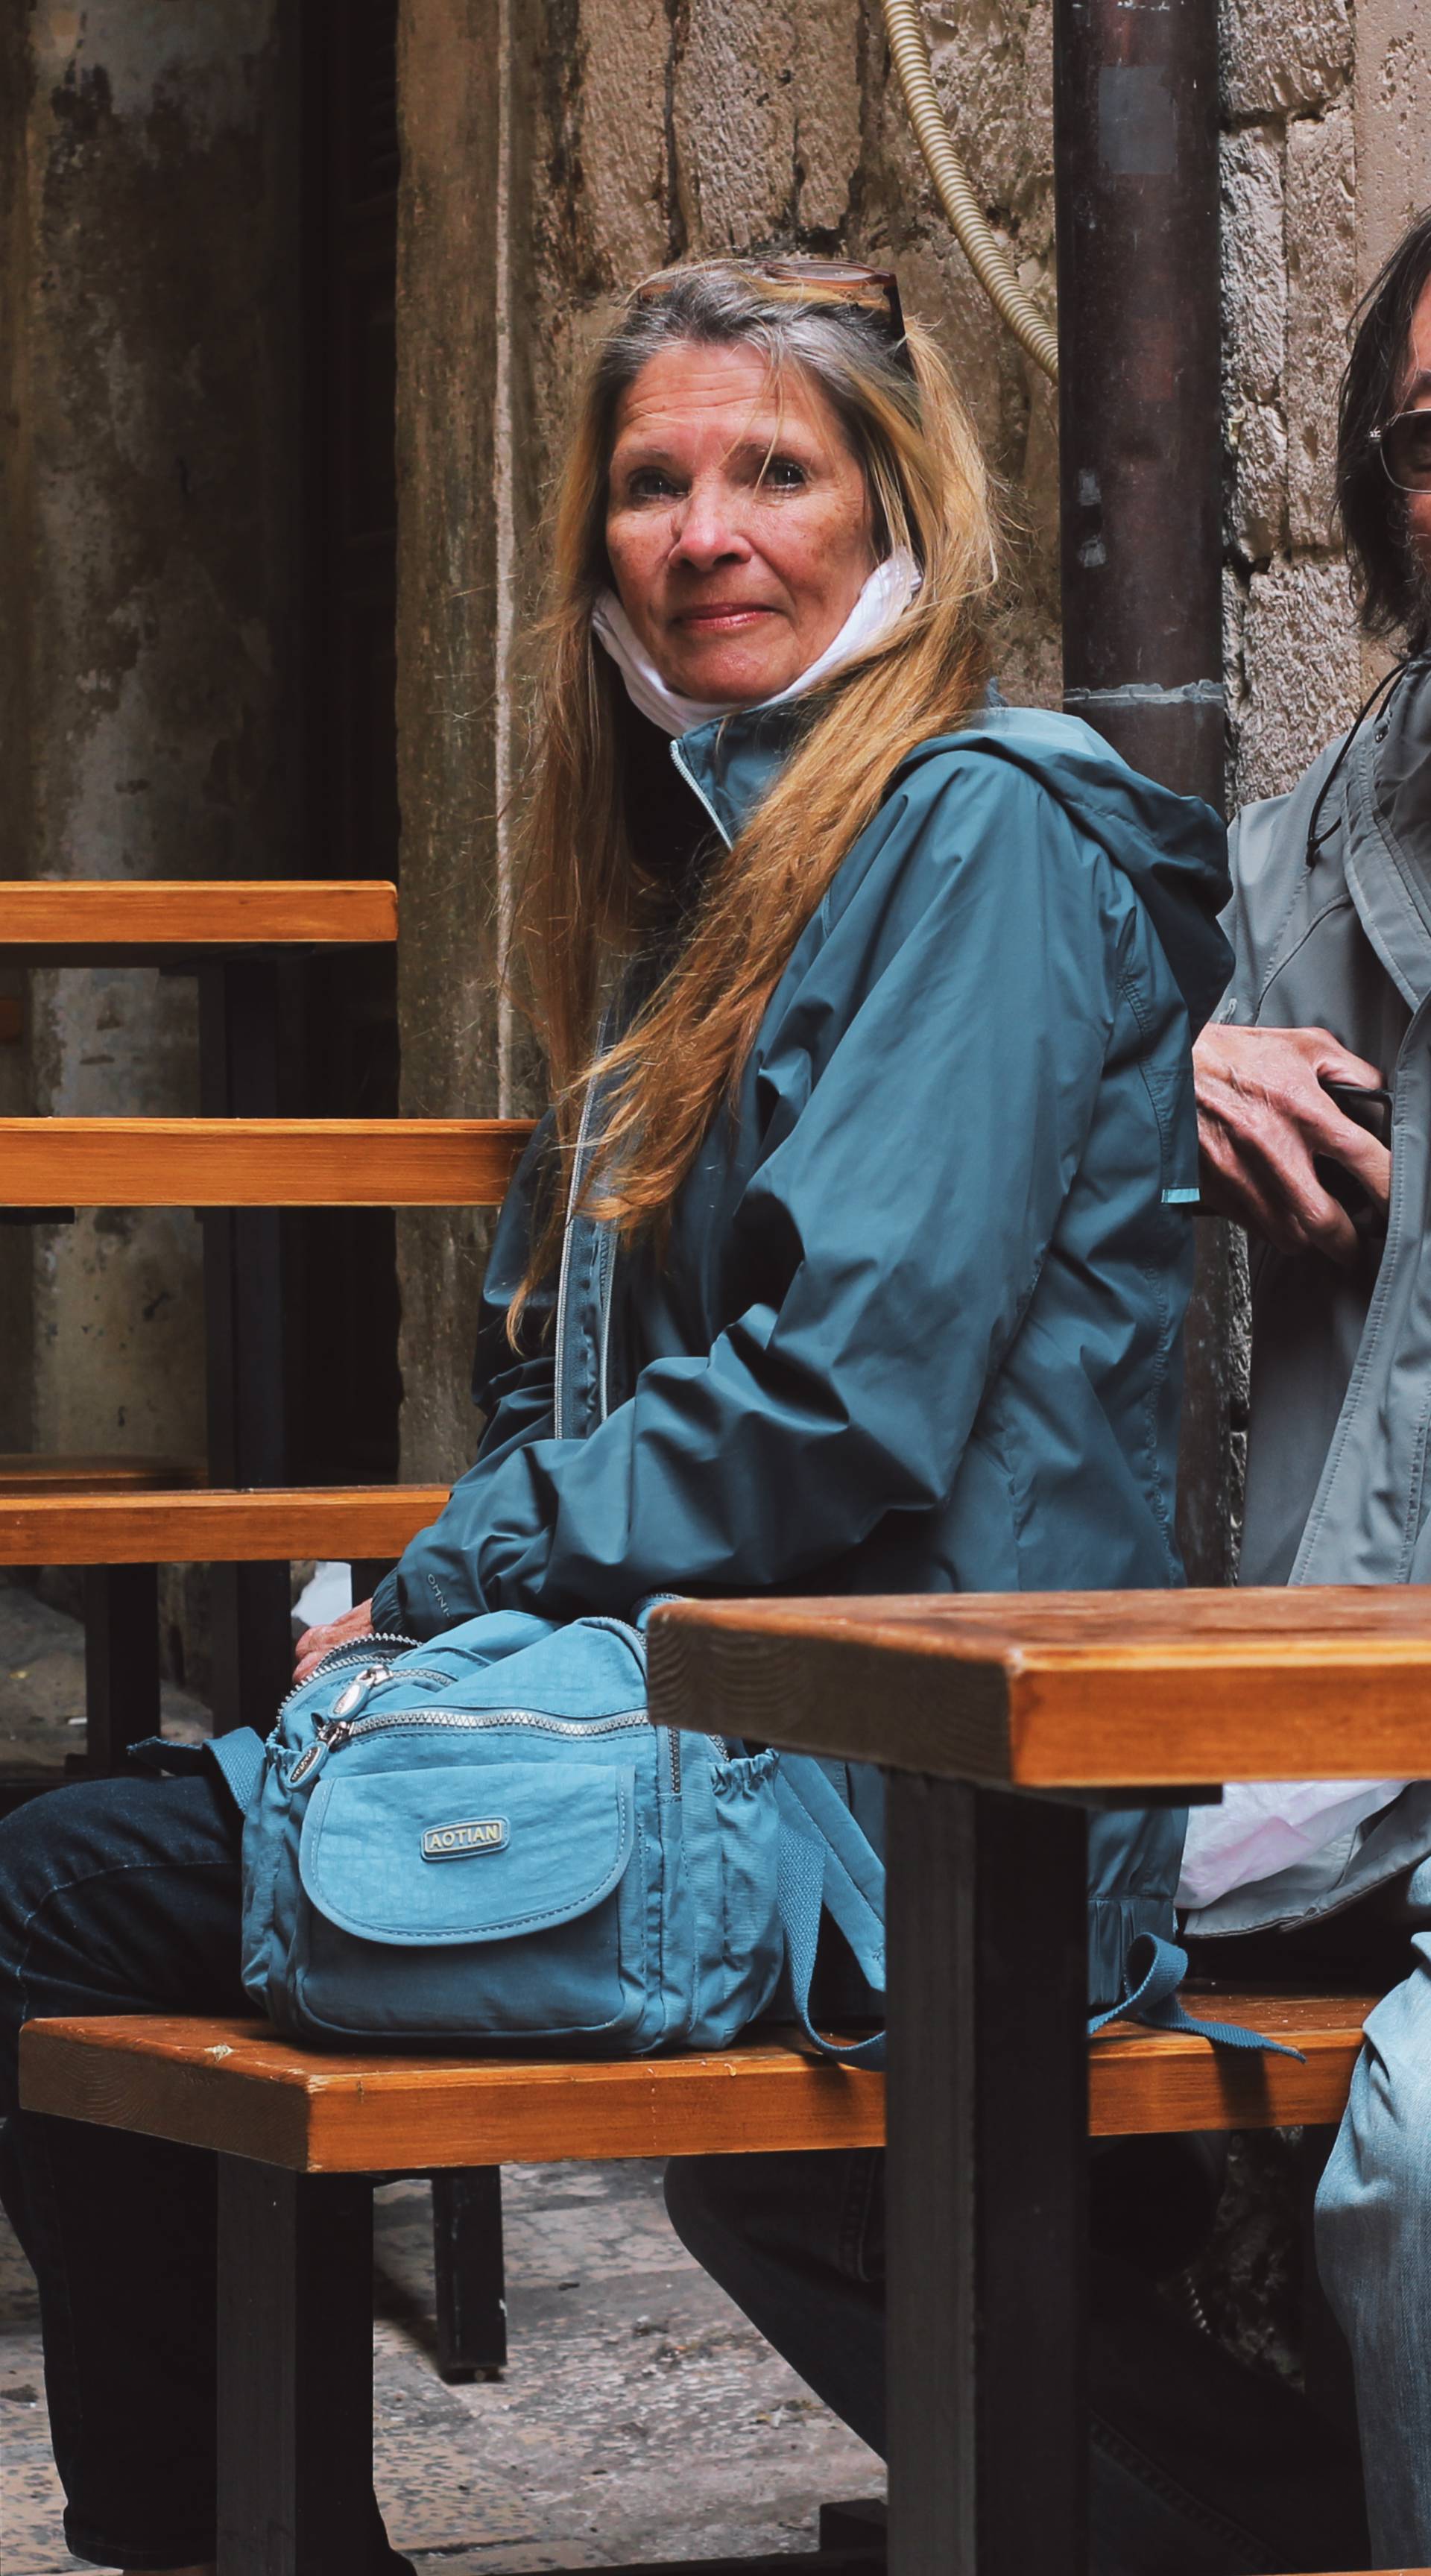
column 328, row 1735
column 354, row 1693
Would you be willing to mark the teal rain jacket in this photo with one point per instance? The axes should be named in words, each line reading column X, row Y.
column 918, row 1324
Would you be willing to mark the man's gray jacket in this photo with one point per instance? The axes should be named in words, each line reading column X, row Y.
column 1337, row 1467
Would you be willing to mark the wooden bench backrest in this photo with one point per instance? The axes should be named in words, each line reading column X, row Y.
column 258, row 1162
column 151, row 912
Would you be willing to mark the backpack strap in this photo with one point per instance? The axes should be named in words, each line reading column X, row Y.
column 237, row 1757
column 854, row 1887
column 826, row 1860
column 802, row 1897
column 1154, row 2001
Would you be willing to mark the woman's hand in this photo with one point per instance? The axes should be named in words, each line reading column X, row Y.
column 315, row 1643
column 1263, row 1114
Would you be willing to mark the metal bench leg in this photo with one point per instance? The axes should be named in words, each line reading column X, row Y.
column 121, row 1663
column 468, row 2270
column 295, row 2331
column 988, row 2111
column 245, row 1011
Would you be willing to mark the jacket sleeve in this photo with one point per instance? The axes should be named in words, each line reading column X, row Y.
column 885, row 1247
column 514, row 1388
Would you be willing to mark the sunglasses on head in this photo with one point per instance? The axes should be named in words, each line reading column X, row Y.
column 821, row 281
column 1404, row 446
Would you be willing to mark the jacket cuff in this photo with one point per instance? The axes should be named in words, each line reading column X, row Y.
column 387, row 1605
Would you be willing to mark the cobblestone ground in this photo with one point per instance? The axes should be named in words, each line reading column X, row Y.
column 640, row 2415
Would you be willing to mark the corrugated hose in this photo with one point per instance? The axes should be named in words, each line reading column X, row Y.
column 990, row 263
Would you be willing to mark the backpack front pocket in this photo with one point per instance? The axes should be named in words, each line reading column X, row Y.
column 473, row 1902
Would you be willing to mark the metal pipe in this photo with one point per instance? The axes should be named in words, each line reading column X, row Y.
column 1136, row 183
column 995, row 271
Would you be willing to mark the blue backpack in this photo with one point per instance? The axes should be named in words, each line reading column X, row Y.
column 485, row 1839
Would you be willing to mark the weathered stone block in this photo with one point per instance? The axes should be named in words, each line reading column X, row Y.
column 623, row 133
column 827, row 111
column 1321, row 291
column 1284, row 53
column 1302, row 666
column 1257, row 515
column 980, row 54
column 1393, row 115
column 734, row 116
column 1254, row 280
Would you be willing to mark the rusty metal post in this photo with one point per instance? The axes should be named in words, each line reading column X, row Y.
column 1136, row 137
column 1135, row 90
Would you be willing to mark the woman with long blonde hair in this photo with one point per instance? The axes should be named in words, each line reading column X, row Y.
column 854, row 1251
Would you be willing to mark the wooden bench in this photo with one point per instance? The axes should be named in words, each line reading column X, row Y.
column 123, row 1523
column 301, row 2136
column 121, row 1623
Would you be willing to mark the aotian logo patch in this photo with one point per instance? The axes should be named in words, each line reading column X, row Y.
column 465, row 1841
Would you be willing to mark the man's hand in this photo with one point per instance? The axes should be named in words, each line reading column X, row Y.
column 1263, row 1114
column 315, row 1643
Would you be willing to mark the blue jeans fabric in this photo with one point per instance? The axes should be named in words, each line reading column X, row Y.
column 1373, row 2237
column 1198, row 2468
column 122, row 1896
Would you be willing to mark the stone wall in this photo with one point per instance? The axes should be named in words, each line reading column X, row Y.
column 146, row 686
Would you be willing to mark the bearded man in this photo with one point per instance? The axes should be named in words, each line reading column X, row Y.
column 1314, row 1091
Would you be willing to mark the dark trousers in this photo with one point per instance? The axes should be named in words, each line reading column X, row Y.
column 122, row 1896
column 1199, row 2468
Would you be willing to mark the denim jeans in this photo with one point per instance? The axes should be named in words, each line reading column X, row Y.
column 122, row 1896
column 1198, row 2468
column 1373, row 2235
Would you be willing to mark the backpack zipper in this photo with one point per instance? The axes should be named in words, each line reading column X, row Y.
column 337, row 1656
column 332, row 1733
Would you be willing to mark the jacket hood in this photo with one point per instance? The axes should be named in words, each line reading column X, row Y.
column 1172, row 849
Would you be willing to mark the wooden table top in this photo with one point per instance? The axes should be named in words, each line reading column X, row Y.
column 1067, row 1690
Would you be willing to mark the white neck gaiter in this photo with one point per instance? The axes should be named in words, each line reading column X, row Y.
column 880, row 605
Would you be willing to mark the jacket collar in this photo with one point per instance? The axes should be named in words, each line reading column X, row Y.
column 733, row 761
column 1388, row 843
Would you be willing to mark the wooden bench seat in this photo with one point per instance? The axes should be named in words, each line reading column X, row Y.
column 232, row 2086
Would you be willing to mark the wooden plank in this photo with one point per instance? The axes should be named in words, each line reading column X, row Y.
column 1067, row 1690
column 29, row 1472
column 229, row 2085
column 232, row 2085
column 280, row 912
column 212, row 1526
column 258, row 1162
column 1146, row 2082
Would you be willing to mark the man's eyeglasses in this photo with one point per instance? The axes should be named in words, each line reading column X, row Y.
column 818, row 281
column 1404, row 446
